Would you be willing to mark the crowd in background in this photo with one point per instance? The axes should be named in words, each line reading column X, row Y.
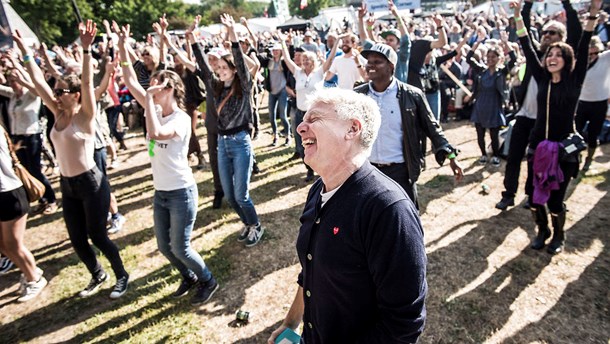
column 469, row 66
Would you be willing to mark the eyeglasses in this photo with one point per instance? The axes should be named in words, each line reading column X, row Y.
column 145, row 54
column 58, row 92
column 550, row 32
column 594, row 53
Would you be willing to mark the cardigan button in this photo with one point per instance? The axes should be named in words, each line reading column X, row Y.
column 308, row 293
column 318, row 221
column 310, row 325
column 309, row 256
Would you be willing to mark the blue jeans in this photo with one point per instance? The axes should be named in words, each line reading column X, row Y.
column 277, row 106
column 174, row 216
column 434, row 100
column 235, row 160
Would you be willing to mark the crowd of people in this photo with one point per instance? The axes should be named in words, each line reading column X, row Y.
column 358, row 110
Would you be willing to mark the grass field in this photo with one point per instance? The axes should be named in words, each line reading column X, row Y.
column 486, row 285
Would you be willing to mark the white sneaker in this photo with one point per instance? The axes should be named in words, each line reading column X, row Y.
column 114, row 164
column 32, row 289
column 23, row 281
column 116, row 224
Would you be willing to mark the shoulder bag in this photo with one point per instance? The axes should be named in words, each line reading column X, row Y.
column 33, row 187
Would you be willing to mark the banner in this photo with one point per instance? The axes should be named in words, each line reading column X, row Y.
column 382, row 5
column 281, row 8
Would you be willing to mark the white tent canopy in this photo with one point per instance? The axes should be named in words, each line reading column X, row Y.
column 14, row 22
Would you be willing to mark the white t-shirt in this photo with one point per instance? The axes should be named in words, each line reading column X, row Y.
column 306, row 85
column 8, row 179
column 170, row 164
column 347, row 71
column 596, row 86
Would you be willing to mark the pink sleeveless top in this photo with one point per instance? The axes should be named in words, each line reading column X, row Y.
column 74, row 150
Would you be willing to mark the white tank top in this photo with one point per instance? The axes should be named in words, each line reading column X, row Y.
column 74, row 150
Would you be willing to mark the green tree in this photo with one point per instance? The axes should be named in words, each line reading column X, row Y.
column 313, row 8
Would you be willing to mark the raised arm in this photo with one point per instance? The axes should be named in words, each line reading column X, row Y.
column 399, row 21
column 531, row 59
column 129, row 74
column 582, row 52
column 42, row 87
column 155, row 129
column 442, row 35
column 362, row 33
column 238, row 56
column 105, row 82
column 87, row 103
column 180, row 54
column 286, row 54
column 332, row 55
column 51, row 66
column 244, row 22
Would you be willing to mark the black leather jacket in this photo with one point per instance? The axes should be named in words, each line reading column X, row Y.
column 417, row 122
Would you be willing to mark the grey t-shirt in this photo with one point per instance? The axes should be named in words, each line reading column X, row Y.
column 277, row 78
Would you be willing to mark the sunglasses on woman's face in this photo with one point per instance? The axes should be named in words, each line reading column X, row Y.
column 145, row 54
column 549, row 32
column 58, row 92
column 594, row 53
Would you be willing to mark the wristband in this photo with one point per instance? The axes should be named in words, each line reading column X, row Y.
column 124, row 64
column 370, row 27
column 595, row 17
column 518, row 19
column 86, row 51
column 451, row 156
column 27, row 58
column 521, row 31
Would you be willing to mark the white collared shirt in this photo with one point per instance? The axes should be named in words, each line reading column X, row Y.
column 387, row 148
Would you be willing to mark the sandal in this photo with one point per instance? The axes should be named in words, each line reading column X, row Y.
column 50, row 208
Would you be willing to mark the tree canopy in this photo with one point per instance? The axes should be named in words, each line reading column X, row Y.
column 55, row 21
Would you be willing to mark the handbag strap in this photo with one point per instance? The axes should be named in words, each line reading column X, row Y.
column 548, row 101
column 223, row 102
column 9, row 142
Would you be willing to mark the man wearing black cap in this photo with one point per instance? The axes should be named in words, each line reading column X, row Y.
column 397, row 40
column 405, row 119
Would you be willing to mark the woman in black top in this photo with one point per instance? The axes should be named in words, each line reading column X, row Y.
column 231, row 90
column 559, row 80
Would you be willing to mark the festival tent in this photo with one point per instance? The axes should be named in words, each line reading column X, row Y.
column 11, row 21
column 295, row 23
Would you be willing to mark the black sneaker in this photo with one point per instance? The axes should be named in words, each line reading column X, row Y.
column 505, row 202
column 255, row 235
column 205, row 290
column 184, row 287
column 94, row 285
column 120, row 287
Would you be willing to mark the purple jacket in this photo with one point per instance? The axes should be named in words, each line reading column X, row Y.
column 547, row 174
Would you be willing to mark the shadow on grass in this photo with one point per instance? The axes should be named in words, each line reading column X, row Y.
column 585, row 299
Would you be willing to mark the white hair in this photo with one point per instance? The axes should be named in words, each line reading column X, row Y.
column 350, row 105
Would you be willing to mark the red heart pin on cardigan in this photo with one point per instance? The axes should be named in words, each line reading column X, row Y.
column 335, row 230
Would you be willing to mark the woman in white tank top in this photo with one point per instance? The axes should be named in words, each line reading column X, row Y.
column 85, row 190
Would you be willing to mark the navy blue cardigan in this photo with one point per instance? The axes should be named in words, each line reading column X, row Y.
column 363, row 263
